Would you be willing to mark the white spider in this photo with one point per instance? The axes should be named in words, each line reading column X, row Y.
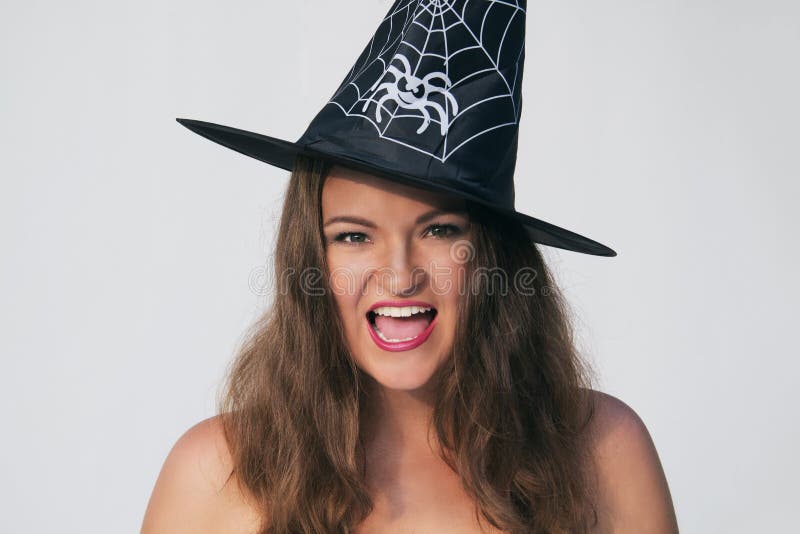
column 414, row 95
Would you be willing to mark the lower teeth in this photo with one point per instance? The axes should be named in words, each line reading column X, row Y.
column 380, row 335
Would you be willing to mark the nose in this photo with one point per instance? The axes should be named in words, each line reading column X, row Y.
column 407, row 278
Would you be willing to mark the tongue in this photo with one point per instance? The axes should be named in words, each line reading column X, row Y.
column 402, row 327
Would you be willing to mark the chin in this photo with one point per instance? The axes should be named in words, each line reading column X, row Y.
column 401, row 371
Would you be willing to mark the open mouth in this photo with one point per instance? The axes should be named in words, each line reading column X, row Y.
column 397, row 325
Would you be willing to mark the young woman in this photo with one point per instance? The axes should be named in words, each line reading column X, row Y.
column 416, row 371
column 482, row 420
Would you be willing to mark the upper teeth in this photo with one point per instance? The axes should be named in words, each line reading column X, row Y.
column 405, row 311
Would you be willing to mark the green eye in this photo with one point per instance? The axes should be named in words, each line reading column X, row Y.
column 437, row 231
column 441, row 230
column 344, row 235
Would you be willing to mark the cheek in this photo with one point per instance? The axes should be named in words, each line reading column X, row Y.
column 346, row 275
column 447, row 276
column 347, row 309
column 344, row 279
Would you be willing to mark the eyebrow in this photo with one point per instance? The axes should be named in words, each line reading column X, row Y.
column 369, row 224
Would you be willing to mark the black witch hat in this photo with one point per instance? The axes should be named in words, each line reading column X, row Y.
column 433, row 101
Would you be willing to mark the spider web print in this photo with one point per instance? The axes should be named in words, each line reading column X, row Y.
column 439, row 73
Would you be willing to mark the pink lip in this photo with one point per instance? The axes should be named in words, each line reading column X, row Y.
column 400, row 346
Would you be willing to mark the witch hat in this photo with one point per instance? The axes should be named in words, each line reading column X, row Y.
column 433, row 101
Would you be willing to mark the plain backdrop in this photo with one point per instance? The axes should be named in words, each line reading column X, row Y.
column 132, row 251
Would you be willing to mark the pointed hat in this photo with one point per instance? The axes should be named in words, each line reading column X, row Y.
column 433, row 101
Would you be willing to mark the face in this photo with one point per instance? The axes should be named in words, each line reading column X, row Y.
column 396, row 267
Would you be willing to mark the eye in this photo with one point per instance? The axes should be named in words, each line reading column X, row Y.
column 342, row 238
column 441, row 231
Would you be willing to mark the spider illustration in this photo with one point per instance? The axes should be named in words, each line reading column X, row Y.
column 413, row 94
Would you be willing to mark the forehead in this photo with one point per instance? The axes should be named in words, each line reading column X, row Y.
column 348, row 189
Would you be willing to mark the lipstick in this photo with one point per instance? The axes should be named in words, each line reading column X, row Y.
column 399, row 346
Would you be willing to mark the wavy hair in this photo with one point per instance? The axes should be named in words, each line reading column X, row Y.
column 514, row 400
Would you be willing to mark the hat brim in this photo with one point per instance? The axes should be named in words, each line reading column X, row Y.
column 282, row 154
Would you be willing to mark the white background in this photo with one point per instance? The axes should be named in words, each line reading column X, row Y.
column 667, row 130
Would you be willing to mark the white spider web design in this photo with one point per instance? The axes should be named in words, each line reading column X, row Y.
column 476, row 45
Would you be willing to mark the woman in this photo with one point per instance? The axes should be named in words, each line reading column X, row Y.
column 416, row 370
column 317, row 441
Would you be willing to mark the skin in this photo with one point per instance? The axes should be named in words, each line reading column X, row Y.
column 413, row 490
column 391, row 256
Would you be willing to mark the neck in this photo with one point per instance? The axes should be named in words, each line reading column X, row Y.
column 399, row 422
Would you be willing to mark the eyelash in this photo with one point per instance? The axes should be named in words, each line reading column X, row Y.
column 454, row 230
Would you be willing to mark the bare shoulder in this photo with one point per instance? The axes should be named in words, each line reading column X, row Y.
column 194, row 491
column 633, row 493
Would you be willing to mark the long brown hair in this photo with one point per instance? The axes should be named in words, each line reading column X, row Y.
column 513, row 403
